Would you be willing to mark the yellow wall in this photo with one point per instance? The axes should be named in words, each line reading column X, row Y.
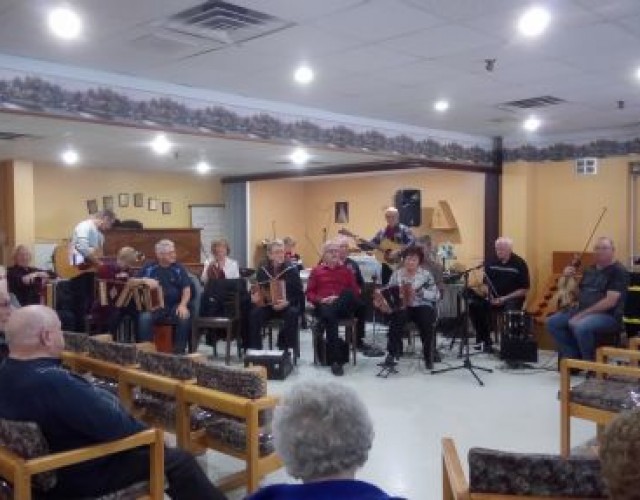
column 305, row 208
column 61, row 195
column 547, row 207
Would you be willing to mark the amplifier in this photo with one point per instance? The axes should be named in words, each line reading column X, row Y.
column 519, row 350
column 277, row 363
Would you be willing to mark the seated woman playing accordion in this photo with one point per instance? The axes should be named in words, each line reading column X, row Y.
column 410, row 296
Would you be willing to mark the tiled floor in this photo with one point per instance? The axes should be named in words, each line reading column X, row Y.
column 413, row 410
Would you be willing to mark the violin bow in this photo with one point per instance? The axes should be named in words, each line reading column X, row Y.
column 595, row 228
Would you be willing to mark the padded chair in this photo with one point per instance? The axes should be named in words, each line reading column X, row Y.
column 235, row 417
column 230, row 324
column 598, row 399
column 498, row 475
column 28, row 467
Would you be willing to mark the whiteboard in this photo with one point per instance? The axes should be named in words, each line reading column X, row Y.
column 209, row 218
column 43, row 255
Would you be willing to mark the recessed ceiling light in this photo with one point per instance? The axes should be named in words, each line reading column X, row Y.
column 202, row 167
column 303, row 75
column 534, row 21
column 638, row 73
column 65, row 23
column 299, row 157
column 531, row 124
column 70, row 156
column 441, row 105
column 161, row 145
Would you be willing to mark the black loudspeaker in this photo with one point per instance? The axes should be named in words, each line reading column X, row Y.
column 515, row 350
column 409, row 205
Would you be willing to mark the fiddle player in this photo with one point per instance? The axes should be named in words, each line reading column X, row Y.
column 334, row 293
column 599, row 308
column 419, row 294
column 277, row 267
column 24, row 280
column 87, row 242
column 397, row 233
column 507, row 276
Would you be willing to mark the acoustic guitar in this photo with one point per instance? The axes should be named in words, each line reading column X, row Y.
column 63, row 262
column 381, row 252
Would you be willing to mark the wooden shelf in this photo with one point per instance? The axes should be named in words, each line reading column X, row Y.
column 443, row 219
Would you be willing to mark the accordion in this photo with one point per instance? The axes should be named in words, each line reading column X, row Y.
column 120, row 293
column 270, row 292
column 393, row 298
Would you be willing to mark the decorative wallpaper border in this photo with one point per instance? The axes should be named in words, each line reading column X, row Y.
column 564, row 151
column 102, row 104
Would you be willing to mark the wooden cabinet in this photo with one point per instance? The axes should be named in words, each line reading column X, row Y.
column 187, row 242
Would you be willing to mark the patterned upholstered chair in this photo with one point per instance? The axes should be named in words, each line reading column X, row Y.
column 598, row 399
column 239, row 414
column 26, row 464
column 502, row 475
column 149, row 390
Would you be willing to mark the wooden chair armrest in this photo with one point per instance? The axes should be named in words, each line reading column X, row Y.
column 634, row 343
column 151, row 381
column 266, row 402
column 598, row 368
column 219, row 401
column 604, row 353
column 95, row 366
column 65, row 458
column 455, row 485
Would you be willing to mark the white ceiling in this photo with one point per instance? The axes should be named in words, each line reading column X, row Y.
column 386, row 59
column 106, row 146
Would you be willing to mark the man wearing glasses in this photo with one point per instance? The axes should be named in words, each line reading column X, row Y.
column 600, row 305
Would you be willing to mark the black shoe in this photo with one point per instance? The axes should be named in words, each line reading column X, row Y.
column 437, row 358
column 478, row 346
column 337, row 370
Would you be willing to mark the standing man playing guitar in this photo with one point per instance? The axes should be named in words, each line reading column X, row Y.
column 393, row 232
column 87, row 242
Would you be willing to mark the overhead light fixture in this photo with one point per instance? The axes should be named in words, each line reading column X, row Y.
column 303, row 75
column 299, row 157
column 65, row 23
column 638, row 73
column 441, row 105
column 161, row 145
column 202, row 167
column 534, row 21
column 532, row 124
column 70, row 156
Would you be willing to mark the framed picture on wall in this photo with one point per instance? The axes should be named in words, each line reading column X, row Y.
column 166, row 208
column 92, row 206
column 342, row 212
column 123, row 200
column 152, row 204
column 107, row 202
column 138, row 200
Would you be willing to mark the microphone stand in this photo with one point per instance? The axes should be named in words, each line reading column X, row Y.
column 464, row 347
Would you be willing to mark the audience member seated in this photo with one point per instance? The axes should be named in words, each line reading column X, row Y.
column 71, row 413
column 600, row 300
column 418, row 293
column 220, row 266
column 25, row 281
column 176, row 290
column 276, row 268
column 333, row 291
column 5, row 312
column 620, row 456
column 323, row 433
column 109, row 317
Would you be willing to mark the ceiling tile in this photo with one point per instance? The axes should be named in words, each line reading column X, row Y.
column 299, row 10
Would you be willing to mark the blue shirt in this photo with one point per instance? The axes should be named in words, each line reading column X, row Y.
column 173, row 279
column 87, row 238
column 70, row 412
column 323, row 490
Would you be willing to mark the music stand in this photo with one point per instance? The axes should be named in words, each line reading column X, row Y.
column 464, row 339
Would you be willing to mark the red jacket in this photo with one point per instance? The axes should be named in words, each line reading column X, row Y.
column 325, row 281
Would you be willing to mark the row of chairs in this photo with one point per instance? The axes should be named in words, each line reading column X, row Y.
column 208, row 407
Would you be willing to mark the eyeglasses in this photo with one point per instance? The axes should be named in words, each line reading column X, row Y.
column 602, row 248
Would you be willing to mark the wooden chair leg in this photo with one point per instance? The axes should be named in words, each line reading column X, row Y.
column 565, row 417
column 227, row 357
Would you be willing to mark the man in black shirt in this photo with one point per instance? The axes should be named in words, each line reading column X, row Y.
column 600, row 305
column 507, row 279
column 72, row 413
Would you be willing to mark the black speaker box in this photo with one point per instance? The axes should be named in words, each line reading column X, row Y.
column 409, row 205
column 519, row 350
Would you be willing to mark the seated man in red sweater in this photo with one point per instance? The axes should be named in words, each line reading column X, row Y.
column 333, row 290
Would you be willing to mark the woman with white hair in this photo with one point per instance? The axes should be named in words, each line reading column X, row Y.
column 323, row 433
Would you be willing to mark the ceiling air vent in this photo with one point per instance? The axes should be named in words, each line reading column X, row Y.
column 587, row 166
column 219, row 23
column 533, row 102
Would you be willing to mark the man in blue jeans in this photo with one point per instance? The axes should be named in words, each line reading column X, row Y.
column 600, row 305
column 176, row 291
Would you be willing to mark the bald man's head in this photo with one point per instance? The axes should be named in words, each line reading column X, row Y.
column 34, row 331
